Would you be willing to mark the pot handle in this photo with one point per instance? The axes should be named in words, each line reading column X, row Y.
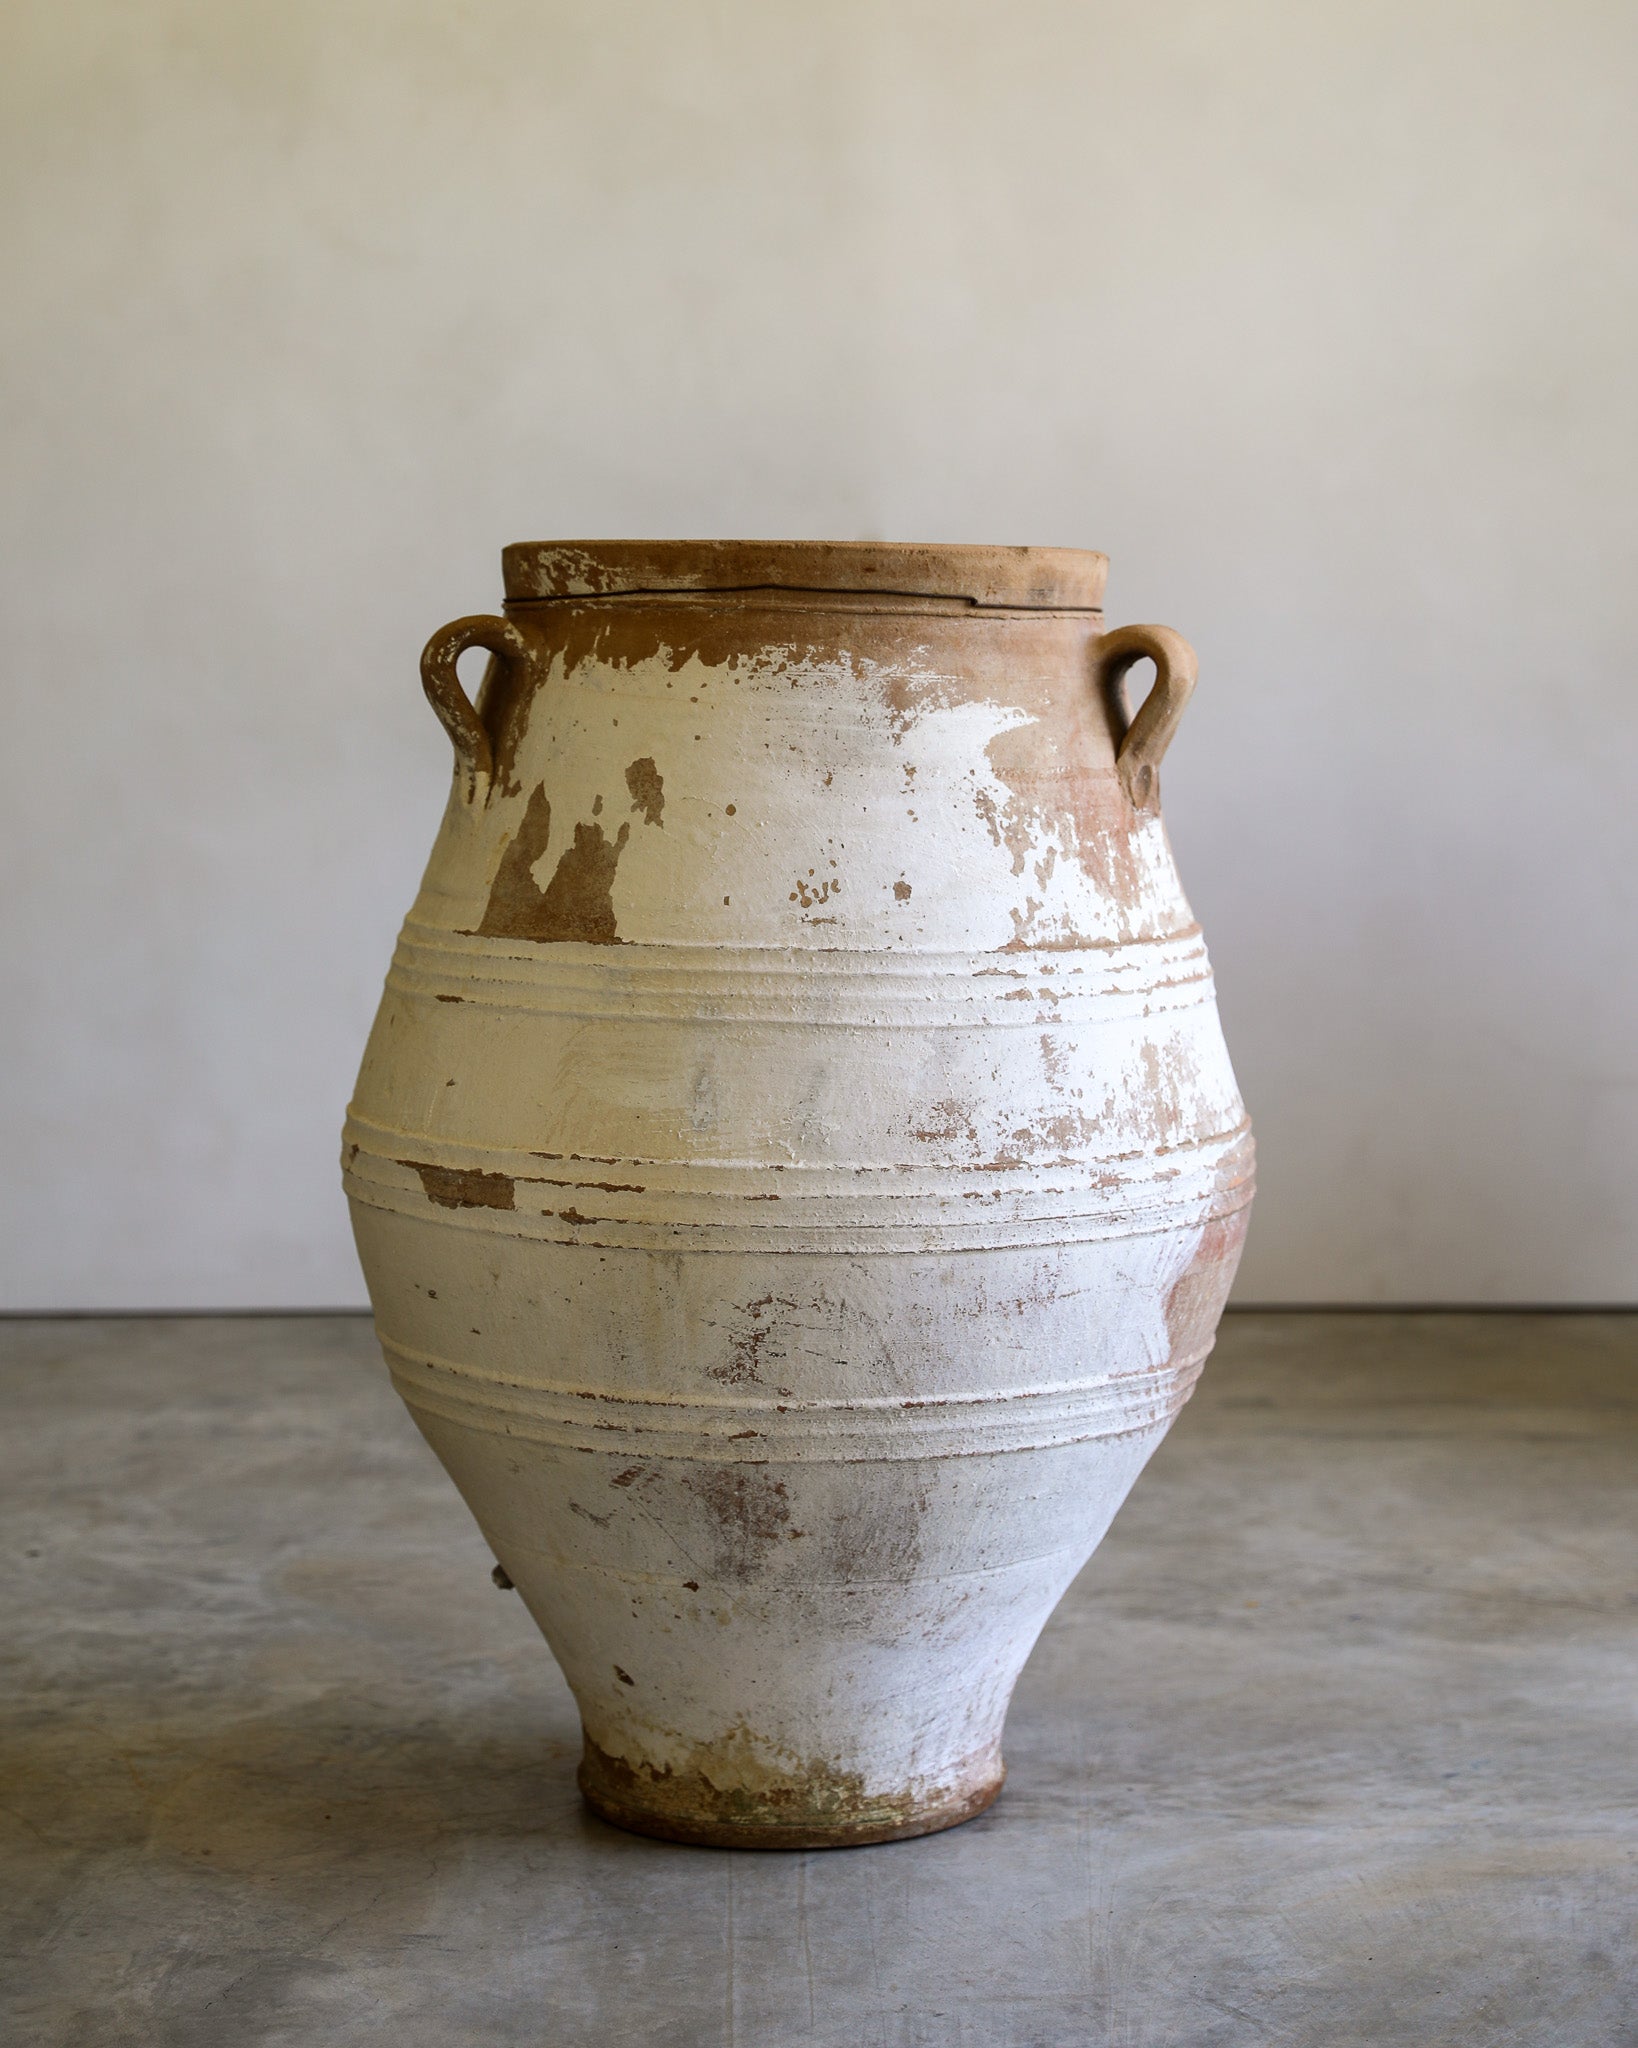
column 1146, row 736
column 443, row 687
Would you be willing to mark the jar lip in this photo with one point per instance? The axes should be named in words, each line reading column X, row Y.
column 1024, row 578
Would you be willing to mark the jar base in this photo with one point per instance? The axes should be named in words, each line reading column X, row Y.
column 823, row 1813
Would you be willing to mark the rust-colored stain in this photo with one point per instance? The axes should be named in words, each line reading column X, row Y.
column 576, row 904
column 464, row 1187
column 647, row 790
column 749, row 1352
column 749, row 1513
column 733, row 1794
column 902, row 890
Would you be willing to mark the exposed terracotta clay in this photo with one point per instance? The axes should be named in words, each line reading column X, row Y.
column 468, row 1187
column 648, row 791
column 800, row 1065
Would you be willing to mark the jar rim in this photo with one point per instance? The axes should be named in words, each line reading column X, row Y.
column 1024, row 578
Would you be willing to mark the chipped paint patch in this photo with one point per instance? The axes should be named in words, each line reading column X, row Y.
column 514, row 907
column 648, row 790
column 453, row 1187
column 577, row 904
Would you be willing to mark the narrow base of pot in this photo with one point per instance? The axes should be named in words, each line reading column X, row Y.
column 826, row 1813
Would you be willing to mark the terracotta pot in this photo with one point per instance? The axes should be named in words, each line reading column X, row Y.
column 796, row 1164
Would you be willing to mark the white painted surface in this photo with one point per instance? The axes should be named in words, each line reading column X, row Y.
column 1320, row 321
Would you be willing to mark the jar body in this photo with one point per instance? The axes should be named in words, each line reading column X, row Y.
column 798, row 1173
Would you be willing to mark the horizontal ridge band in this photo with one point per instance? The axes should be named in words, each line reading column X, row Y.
column 722, row 1206
column 720, row 985
column 742, row 1431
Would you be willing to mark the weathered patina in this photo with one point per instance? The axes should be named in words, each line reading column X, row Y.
column 796, row 1164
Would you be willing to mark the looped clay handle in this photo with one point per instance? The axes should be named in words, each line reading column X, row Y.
column 443, row 687
column 1149, row 734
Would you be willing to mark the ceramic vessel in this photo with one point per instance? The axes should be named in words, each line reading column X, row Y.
column 796, row 1164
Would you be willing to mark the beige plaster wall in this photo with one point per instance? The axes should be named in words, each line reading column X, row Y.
column 1319, row 319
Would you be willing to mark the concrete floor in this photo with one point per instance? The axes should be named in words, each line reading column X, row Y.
column 1331, row 1744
